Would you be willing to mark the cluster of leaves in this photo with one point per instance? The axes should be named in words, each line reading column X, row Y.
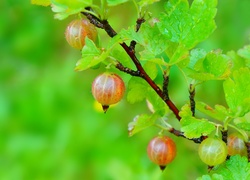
column 169, row 40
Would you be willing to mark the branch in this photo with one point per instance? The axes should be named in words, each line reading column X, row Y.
column 248, row 150
column 191, row 98
column 140, row 72
column 181, row 134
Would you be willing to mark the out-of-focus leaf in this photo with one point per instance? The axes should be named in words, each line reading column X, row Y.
column 64, row 8
column 115, row 2
column 245, row 53
column 41, row 2
column 237, row 91
column 243, row 122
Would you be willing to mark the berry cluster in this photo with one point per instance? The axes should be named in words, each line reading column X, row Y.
column 109, row 88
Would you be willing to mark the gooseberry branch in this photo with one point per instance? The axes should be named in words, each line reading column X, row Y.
column 140, row 72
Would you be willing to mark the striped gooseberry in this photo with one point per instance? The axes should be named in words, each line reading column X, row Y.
column 107, row 89
column 78, row 30
column 161, row 150
column 236, row 145
column 213, row 151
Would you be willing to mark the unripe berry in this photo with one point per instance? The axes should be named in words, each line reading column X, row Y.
column 161, row 151
column 213, row 151
column 77, row 31
column 236, row 145
column 108, row 89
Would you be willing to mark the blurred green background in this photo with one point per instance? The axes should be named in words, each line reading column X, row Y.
column 50, row 127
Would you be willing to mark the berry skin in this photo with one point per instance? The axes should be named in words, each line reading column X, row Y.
column 161, row 151
column 77, row 31
column 213, row 151
column 236, row 145
column 107, row 89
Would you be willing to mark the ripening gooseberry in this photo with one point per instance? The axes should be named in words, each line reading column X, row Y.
column 213, row 151
column 107, row 89
column 161, row 151
column 236, row 145
column 77, row 31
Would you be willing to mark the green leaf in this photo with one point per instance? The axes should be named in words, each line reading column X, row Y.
column 215, row 66
column 243, row 122
column 236, row 168
column 151, row 69
column 149, row 37
column 115, row 2
column 238, row 62
column 214, row 177
column 237, row 91
column 137, row 90
column 143, row 3
column 188, row 26
column 219, row 112
column 141, row 122
column 41, row 2
column 91, row 56
column 64, row 8
column 193, row 127
column 245, row 53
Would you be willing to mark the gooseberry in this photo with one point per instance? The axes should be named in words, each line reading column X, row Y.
column 213, row 151
column 161, row 150
column 78, row 30
column 236, row 145
column 107, row 89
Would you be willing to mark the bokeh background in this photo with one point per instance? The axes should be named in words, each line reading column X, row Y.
column 50, row 126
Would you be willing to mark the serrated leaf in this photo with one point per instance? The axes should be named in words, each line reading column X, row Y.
column 219, row 112
column 141, row 122
column 236, row 168
column 188, row 26
column 137, row 90
column 64, row 8
column 215, row 66
column 237, row 91
column 149, row 37
column 41, row 2
column 243, row 122
column 115, row 2
column 91, row 56
column 193, row 127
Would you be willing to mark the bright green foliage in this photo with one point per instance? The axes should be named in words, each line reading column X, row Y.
column 243, row 122
column 41, row 2
column 137, row 90
column 187, row 26
column 218, row 112
column 213, row 66
column 235, row 168
column 141, row 122
column 237, row 91
column 193, row 127
column 92, row 56
column 115, row 2
column 64, row 8
column 245, row 53
column 143, row 3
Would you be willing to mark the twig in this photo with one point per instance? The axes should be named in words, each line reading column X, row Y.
column 140, row 72
column 191, row 98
